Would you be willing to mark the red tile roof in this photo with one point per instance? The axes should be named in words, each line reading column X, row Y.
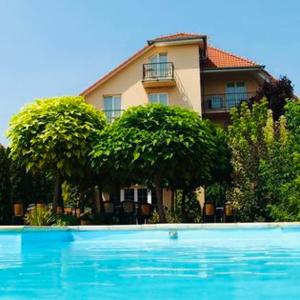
column 176, row 36
column 217, row 58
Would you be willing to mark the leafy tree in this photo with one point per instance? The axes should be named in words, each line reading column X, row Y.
column 159, row 146
column 282, row 169
column 276, row 92
column 5, row 199
column 266, row 163
column 55, row 135
column 247, row 141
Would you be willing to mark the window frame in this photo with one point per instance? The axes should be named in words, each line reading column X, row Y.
column 167, row 97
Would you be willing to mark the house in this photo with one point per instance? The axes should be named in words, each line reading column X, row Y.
column 180, row 69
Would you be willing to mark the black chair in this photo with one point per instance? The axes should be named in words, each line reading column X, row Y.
column 209, row 212
column 128, row 212
column 229, row 213
column 144, row 213
column 109, row 212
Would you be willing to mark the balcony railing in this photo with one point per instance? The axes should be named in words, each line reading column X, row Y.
column 224, row 102
column 112, row 114
column 158, row 71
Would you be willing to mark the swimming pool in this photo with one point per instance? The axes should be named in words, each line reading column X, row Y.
column 204, row 262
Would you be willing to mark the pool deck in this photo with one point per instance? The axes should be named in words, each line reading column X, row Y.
column 156, row 226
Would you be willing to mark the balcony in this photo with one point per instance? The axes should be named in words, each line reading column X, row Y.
column 158, row 75
column 112, row 114
column 221, row 103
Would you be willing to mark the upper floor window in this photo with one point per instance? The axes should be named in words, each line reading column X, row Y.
column 236, row 92
column 159, row 98
column 112, row 107
column 158, row 58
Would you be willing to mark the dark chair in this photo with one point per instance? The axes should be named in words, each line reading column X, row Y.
column 109, row 212
column 144, row 213
column 228, row 213
column 128, row 212
column 209, row 211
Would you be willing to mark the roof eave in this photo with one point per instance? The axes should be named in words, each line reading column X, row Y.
column 232, row 69
column 181, row 40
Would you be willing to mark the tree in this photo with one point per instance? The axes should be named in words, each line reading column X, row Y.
column 282, row 170
column 277, row 92
column 247, row 142
column 266, row 163
column 55, row 135
column 5, row 188
column 160, row 146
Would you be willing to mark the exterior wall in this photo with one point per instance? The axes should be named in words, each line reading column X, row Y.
column 215, row 83
column 128, row 82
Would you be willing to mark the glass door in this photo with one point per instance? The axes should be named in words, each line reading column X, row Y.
column 236, row 92
column 159, row 66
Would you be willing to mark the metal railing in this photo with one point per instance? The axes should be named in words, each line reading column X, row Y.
column 158, row 71
column 224, row 102
column 112, row 114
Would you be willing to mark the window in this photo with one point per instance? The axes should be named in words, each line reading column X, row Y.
column 158, row 98
column 215, row 102
column 158, row 58
column 236, row 92
column 129, row 194
column 112, row 107
column 159, row 67
column 142, row 196
column 114, row 197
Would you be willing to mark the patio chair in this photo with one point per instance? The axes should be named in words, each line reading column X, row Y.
column 109, row 212
column 144, row 213
column 209, row 210
column 128, row 212
column 228, row 213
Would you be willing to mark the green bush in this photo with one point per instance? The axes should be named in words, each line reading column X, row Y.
column 5, row 187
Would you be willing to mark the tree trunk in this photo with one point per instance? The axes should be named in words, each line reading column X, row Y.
column 57, row 197
column 160, row 206
column 97, row 200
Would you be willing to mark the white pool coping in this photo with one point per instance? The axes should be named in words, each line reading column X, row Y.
column 155, row 227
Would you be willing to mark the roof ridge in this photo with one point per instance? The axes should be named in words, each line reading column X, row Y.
column 234, row 55
column 177, row 33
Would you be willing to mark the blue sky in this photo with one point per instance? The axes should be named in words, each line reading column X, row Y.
column 60, row 47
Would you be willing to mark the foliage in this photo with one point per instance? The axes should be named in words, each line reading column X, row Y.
column 40, row 216
column 187, row 207
column 154, row 217
column 5, row 188
column 246, row 139
column 282, row 170
column 44, row 216
column 266, row 163
column 56, row 135
column 276, row 92
column 159, row 146
column 30, row 188
column 70, row 194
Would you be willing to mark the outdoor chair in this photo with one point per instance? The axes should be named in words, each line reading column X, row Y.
column 228, row 213
column 128, row 212
column 109, row 212
column 144, row 213
column 209, row 210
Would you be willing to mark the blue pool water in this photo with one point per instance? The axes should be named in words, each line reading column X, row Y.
column 147, row 264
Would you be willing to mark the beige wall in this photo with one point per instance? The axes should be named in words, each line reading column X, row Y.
column 128, row 82
column 215, row 83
